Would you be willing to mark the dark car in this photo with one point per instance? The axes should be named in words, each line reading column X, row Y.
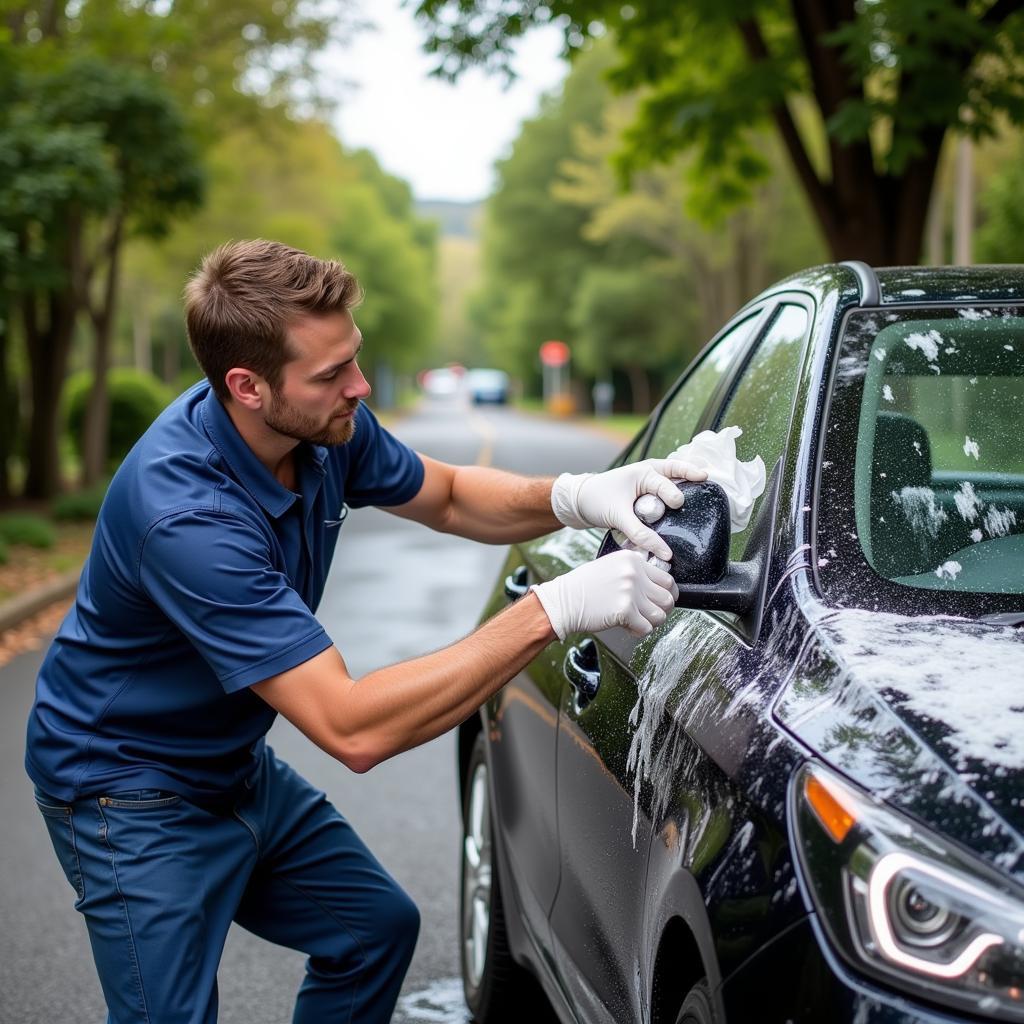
column 802, row 797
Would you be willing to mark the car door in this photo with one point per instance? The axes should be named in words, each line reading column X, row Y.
column 603, row 841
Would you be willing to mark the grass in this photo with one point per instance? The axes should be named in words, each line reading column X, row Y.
column 623, row 425
column 27, row 567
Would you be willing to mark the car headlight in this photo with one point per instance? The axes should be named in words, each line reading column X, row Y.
column 903, row 905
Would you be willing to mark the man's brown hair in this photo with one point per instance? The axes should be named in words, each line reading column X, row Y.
column 239, row 303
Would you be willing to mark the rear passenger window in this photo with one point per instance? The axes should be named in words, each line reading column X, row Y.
column 762, row 401
column 683, row 411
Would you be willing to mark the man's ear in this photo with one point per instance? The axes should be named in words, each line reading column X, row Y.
column 246, row 388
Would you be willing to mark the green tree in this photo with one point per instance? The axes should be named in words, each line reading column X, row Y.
column 110, row 70
column 298, row 184
column 157, row 178
column 887, row 81
column 534, row 252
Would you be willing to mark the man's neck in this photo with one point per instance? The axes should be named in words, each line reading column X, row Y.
column 274, row 450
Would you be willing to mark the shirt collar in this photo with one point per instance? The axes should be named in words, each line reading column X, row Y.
column 271, row 494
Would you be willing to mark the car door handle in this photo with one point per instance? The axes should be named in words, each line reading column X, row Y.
column 583, row 670
column 516, row 584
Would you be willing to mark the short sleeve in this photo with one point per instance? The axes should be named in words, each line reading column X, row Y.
column 381, row 470
column 212, row 575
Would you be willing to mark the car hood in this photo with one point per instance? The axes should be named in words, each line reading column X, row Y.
column 925, row 712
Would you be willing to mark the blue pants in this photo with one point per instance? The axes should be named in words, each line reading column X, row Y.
column 160, row 880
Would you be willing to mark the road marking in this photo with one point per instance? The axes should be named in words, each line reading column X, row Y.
column 488, row 433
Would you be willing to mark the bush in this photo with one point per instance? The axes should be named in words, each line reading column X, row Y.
column 3, row 553
column 82, row 506
column 136, row 399
column 28, row 530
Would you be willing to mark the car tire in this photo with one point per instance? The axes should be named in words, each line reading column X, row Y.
column 697, row 1006
column 497, row 989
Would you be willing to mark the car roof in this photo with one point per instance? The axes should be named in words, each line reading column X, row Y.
column 862, row 285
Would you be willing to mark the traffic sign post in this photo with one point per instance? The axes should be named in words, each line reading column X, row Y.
column 554, row 358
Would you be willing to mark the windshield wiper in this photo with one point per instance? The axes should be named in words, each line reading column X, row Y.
column 1004, row 618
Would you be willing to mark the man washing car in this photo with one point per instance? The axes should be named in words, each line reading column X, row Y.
column 193, row 627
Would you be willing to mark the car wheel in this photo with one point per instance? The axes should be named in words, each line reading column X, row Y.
column 697, row 1007
column 497, row 989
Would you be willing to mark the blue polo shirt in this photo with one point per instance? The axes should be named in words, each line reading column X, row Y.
column 203, row 578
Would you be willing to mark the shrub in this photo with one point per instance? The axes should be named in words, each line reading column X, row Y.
column 136, row 399
column 28, row 530
column 82, row 506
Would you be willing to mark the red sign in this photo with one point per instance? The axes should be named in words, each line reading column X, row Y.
column 554, row 353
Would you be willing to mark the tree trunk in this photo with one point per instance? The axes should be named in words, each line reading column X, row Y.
column 48, row 357
column 96, row 442
column 640, row 387
column 48, row 349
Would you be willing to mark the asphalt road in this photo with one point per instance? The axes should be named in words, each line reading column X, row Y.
column 396, row 590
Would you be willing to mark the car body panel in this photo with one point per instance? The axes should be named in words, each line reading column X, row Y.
column 673, row 783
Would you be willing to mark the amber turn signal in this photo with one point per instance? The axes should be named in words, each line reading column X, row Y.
column 828, row 807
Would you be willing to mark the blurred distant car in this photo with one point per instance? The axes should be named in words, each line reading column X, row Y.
column 443, row 382
column 487, row 386
column 801, row 799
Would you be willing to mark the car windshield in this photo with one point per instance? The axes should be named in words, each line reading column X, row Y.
column 923, row 467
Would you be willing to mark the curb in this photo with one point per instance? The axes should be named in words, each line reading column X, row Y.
column 17, row 609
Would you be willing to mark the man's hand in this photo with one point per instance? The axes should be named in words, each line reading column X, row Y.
column 606, row 499
column 622, row 589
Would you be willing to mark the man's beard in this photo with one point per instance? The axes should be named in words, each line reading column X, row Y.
column 292, row 422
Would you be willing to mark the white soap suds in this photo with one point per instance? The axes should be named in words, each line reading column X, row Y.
column 971, row 447
column 441, row 1002
column 880, row 354
column 974, row 314
column 887, row 393
column 926, row 344
column 920, row 509
column 948, row 570
column 999, row 521
column 922, row 663
column 968, row 504
column 976, row 535
column 914, row 293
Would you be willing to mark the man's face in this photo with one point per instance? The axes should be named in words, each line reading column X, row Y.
column 322, row 386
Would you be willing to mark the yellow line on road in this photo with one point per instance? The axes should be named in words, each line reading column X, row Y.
column 487, row 434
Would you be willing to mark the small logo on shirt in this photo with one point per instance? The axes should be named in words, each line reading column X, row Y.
column 342, row 516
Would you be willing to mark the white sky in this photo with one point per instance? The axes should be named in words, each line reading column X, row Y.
column 443, row 139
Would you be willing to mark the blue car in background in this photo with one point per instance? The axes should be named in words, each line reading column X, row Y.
column 487, row 386
column 800, row 799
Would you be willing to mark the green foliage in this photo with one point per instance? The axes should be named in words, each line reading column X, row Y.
column 887, row 79
column 3, row 553
column 136, row 399
column 298, row 184
column 30, row 531
column 1001, row 236
column 80, row 506
column 631, row 280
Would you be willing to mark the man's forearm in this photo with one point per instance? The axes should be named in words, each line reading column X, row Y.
column 496, row 507
column 399, row 707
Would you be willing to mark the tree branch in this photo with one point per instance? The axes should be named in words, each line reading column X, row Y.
column 820, row 195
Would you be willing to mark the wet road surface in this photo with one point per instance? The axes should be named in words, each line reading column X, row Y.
column 396, row 590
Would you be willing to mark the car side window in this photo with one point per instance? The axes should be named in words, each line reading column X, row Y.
column 762, row 401
column 683, row 411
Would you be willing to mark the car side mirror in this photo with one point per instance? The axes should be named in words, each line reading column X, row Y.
column 699, row 534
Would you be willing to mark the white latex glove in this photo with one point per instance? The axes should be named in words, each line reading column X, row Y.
column 621, row 589
column 606, row 499
column 743, row 482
